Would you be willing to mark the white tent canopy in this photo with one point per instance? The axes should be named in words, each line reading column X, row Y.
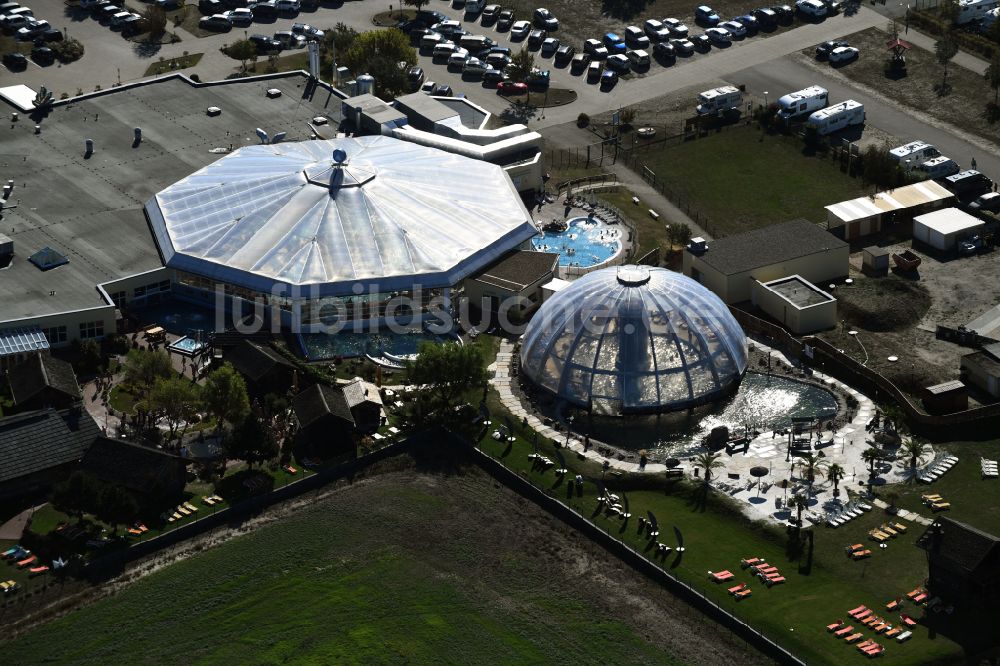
column 389, row 216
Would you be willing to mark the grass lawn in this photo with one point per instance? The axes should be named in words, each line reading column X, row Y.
column 964, row 105
column 173, row 64
column 373, row 574
column 286, row 63
column 819, row 590
column 189, row 16
column 742, row 179
column 974, row 500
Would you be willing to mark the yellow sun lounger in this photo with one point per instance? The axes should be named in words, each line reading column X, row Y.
column 184, row 512
column 899, row 527
column 931, row 498
column 941, row 506
column 190, row 507
column 888, row 530
column 208, row 500
column 878, row 536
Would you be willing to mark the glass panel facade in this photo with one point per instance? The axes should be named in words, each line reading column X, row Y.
column 643, row 339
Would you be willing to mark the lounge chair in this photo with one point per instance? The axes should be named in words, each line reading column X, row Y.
column 855, row 611
column 861, row 554
column 767, row 570
column 892, row 605
column 940, row 506
column 134, row 532
column 903, row 637
column 920, row 598
column 743, row 594
column 880, row 627
column 908, row 621
column 190, row 507
column 775, row 581
column 737, row 588
column 834, row 626
column 888, row 530
column 878, row 536
column 176, row 515
column 291, row 470
column 930, row 497
column 720, row 576
column 894, row 631
column 899, row 527
column 863, row 644
column 862, row 615
column 26, row 561
column 840, row 633
column 183, row 511
column 208, row 500
column 853, row 637
column 37, row 571
column 871, row 621
column 915, row 592
column 749, row 562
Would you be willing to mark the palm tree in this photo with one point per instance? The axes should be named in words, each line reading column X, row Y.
column 872, row 455
column 811, row 464
column 915, row 448
column 800, row 502
column 835, row 473
column 708, row 461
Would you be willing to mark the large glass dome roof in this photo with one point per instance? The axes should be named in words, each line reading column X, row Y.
column 634, row 339
column 370, row 212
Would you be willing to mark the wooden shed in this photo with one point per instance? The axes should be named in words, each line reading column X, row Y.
column 875, row 261
column 945, row 398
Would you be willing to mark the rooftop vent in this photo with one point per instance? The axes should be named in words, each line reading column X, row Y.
column 698, row 245
column 47, row 259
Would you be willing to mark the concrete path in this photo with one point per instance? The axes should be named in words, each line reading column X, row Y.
column 14, row 528
column 962, row 58
column 904, row 514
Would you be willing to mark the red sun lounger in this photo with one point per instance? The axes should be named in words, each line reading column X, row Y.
column 892, row 605
column 25, row 562
column 743, row 594
column 775, row 581
column 855, row 611
column 853, row 637
column 863, row 615
column 734, row 590
column 834, row 626
column 37, row 571
column 720, row 576
column 920, row 598
column 913, row 593
column 908, row 621
column 839, row 633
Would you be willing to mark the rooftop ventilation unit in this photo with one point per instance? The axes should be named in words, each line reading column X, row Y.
column 47, row 259
column 6, row 251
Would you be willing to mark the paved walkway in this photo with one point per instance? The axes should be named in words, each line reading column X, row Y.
column 14, row 528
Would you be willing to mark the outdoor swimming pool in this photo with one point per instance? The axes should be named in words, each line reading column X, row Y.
column 768, row 401
column 349, row 344
column 586, row 242
column 187, row 346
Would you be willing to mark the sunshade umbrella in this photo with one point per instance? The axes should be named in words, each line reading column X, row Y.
column 758, row 471
column 671, row 463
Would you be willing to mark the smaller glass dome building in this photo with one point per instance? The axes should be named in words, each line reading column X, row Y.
column 635, row 339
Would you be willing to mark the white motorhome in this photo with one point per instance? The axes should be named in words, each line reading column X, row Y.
column 915, row 152
column 974, row 10
column 804, row 101
column 837, row 117
column 989, row 18
column 719, row 100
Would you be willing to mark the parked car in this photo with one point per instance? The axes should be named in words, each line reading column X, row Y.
column 843, row 54
column 264, row 9
column 538, row 79
column 594, row 70
column 676, row 28
column 784, row 12
column 988, row 202
column 443, row 51
column 474, row 67
column 595, row 49
column 701, row 42
column 442, row 90
column 458, row 58
column 490, row 13
column 614, row 43
column 428, row 87
column 215, row 22
column 15, row 61
column 241, row 16
column 608, row 78
column 535, row 39
column 682, row 46
column 735, row 28
column 415, row 76
column 549, row 46
column 512, row 88
column 579, row 63
column 307, row 31
column 448, row 27
column 705, row 15
column 43, row 55
column 290, row 40
column 823, row 50
column 664, row 51
column 635, row 37
column 428, row 18
column 545, row 19
column 32, row 30
column 618, row 62
column 811, row 8
column 748, row 21
column 656, row 31
column 505, row 19
column 494, row 76
column 288, row 6
column 519, row 30
column 564, row 54
column 52, row 35
column 766, row 18
column 265, row 45
column 209, row 7
column 719, row 36
column 497, row 60
column 639, row 59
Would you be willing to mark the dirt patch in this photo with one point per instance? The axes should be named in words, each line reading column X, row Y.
column 887, row 304
column 543, row 100
column 391, row 19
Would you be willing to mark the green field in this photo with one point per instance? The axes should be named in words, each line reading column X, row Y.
column 404, row 567
column 742, row 179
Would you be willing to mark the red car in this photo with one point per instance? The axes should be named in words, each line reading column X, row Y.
column 512, row 88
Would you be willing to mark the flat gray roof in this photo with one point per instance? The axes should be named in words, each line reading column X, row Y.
column 471, row 116
column 769, row 245
column 428, row 108
column 90, row 209
column 799, row 292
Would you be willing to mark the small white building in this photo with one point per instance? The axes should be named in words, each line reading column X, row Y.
column 943, row 228
column 866, row 215
column 797, row 304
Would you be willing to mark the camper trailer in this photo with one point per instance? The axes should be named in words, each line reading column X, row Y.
column 719, row 100
column 916, row 152
column 974, row 10
column 837, row 117
column 802, row 102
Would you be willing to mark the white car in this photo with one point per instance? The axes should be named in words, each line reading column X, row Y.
column 676, row 28
column 545, row 19
column 844, row 54
column 34, row 28
column 444, row 50
column 474, row 67
column 428, row 87
column 813, row 8
column 656, row 31
column 458, row 58
column 549, row 46
column 619, row 62
column 735, row 28
column 596, row 50
column 520, row 29
column 719, row 36
column 241, row 16
column 307, row 31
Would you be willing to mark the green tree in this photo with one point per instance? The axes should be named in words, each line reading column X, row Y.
column 176, row 398
column 800, row 502
column 810, row 465
column 914, row 448
column 251, row 442
column 448, row 370
column 154, row 20
column 944, row 50
column 243, row 50
column 225, row 395
column 116, row 506
column 379, row 53
column 416, row 4
column 77, row 495
column 879, row 169
column 835, row 473
column 678, row 233
column 143, row 367
column 992, row 73
column 709, row 462
column 521, row 65
column 872, row 456
column 337, row 39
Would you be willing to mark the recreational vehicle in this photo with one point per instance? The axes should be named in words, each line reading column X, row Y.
column 837, row 117
column 719, row 100
column 973, row 10
column 802, row 102
column 940, row 167
column 916, row 152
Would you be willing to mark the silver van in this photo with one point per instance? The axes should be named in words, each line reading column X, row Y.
column 428, row 42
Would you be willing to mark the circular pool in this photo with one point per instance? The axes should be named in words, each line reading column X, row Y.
column 585, row 242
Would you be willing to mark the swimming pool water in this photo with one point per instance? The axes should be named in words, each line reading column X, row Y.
column 187, row 346
column 586, row 242
column 348, row 344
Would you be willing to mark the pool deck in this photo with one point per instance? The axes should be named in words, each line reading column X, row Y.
column 767, row 450
column 575, row 212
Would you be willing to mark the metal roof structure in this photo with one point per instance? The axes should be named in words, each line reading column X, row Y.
column 383, row 215
column 634, row 339
column 908, row 196
column 21, row 340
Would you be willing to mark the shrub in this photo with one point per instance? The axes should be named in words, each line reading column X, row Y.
column 582, row 120
column 68, row 50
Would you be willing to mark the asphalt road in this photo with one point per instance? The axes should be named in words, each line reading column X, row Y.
column 788, row 74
